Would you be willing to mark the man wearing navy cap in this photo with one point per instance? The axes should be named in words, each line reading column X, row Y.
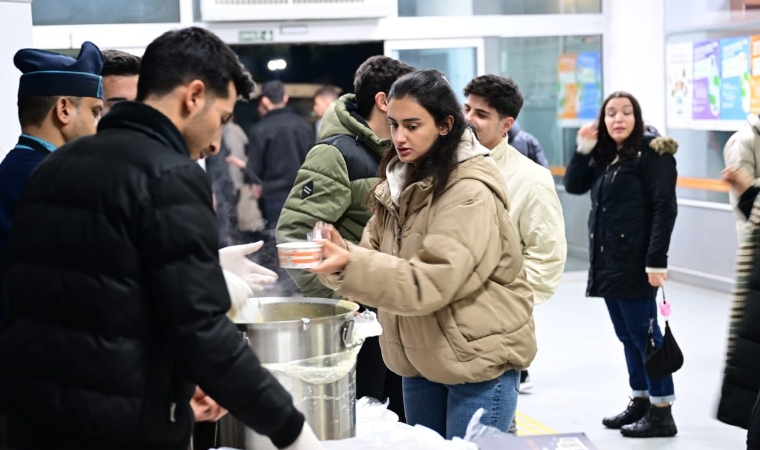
column 59, row 100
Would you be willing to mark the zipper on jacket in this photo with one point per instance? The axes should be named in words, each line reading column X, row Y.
column 175, row 384
column 398, row 236
column 399, row 228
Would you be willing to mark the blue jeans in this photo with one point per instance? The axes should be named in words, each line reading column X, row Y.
column 630, row 317
column 448, row 409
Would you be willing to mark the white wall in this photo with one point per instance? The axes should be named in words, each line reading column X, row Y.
column 15, row 33
column 634, row 54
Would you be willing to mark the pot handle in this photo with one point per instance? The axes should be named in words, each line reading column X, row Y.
column 358, row 329
column 347, row 333
column 245, row 338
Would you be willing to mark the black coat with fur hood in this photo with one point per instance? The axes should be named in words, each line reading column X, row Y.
column 633, row 211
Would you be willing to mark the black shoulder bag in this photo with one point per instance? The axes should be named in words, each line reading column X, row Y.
column 663, row 361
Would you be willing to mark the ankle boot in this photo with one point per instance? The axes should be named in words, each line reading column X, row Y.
column 636, row 409
column 657, row 423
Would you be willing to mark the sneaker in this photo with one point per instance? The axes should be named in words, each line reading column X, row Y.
column 513, row 428
column 636, row 410
column 525, row 383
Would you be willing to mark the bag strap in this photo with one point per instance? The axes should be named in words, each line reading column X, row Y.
column 653, row 315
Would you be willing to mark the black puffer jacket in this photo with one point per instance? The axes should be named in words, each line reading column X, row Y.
column 277, row 147
column 741, row 380
column 116, row 301
column 633, row 211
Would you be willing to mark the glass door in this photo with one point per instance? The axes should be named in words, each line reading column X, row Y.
column 460, row 60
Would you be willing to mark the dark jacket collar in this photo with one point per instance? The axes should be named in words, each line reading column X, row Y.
column 36, row 144
column 147, row 120
column 278, row 111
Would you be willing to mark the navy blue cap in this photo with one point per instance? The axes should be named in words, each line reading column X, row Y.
column 53, row 74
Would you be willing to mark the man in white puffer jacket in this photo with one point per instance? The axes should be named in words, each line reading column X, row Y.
column 491, row 106
column 743, row 151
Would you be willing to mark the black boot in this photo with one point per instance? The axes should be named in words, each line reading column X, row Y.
column 657, row 423
column 633, row 413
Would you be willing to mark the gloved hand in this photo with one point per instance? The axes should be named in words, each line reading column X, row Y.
column 233, row 259
column 239, row 295
column 306, row 440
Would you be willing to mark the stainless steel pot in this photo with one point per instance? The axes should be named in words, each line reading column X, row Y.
column 303, row 341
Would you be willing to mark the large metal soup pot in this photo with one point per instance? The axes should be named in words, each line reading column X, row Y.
column 305, row 343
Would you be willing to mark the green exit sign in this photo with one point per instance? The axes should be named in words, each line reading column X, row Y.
column 256, row 36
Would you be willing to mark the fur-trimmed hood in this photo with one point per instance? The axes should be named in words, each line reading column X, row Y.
column 661, row 145
column 664, row 145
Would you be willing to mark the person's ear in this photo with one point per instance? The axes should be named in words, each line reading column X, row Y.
column 445, row 126
column 506, row 125
column 64, row 110
column 194, row 98
column 381, row 101
column 285, row 99
column 266, row 103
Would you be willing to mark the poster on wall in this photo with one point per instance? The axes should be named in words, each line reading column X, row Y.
column 589, row 85
column 735, row 90
column 706, row 100
column 754, row 82
column 679, row 67
column 567, row 87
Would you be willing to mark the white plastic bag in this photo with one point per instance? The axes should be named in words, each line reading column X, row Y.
column 330, row 368
column 477, row 431
column 377, row 428
column 365, row 325
column 400, row 436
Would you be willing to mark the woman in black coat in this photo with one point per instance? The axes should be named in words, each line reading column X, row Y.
column 631, row 173
column 741, row 382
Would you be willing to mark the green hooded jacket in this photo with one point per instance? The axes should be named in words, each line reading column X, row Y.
column 326, row 190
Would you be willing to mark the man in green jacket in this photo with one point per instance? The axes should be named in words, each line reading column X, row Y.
column 332, row 187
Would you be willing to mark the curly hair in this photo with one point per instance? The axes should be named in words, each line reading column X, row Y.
column 431, row 90
column 376, row 74
column 500, row 93
column 606, row 149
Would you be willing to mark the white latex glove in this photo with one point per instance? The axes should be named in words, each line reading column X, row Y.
column 233, row 259
column 306, row 440
column 239, row 293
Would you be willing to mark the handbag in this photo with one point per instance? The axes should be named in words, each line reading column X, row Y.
column 668, row 358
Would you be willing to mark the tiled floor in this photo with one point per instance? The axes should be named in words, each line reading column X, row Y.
column 580, row 376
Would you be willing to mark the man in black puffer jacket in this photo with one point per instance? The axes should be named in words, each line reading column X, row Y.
column 115, row 298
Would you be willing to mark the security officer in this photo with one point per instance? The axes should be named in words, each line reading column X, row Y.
column 59, row 100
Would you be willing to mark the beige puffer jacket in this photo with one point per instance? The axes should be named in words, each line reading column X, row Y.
column 448, row 279
column 744, row 148
column 536, row 212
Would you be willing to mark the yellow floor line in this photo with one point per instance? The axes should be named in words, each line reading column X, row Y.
column 532, row 424
column 524, row 429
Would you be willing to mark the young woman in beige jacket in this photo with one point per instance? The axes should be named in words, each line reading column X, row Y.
column 441, row 261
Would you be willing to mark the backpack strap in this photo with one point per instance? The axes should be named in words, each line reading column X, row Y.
column 361, row 161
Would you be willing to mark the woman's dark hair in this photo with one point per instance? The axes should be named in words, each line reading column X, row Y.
column 606, row 149
column 431, row 90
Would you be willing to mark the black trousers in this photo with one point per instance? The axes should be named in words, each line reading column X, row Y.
column 373, row 379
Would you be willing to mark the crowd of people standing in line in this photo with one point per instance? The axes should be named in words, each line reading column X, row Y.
column 432, row 217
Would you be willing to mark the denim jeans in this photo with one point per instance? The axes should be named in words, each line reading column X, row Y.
column 448, row 409
column 630, row 317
